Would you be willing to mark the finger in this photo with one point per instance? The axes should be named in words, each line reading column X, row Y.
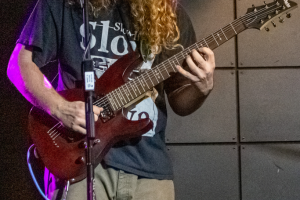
column 96, row 117
column 79, row 129
column 97, row 110
column 198, row 58
column 197, row 70
column 209, row 65
column 188, row 75
column 207, row 53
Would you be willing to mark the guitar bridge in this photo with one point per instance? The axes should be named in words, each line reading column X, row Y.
column 107, row 114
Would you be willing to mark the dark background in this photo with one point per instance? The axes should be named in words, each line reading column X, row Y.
column 15, row 181
column 243, row 143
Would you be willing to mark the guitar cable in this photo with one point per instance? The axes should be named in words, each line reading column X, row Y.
column 32, row 174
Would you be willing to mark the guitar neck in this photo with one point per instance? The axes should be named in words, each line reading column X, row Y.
column 146, row 81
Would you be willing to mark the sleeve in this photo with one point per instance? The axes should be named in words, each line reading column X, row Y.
column 40, row 33
column 187, row 38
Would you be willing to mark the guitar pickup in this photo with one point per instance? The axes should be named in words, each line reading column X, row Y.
column 106, row 115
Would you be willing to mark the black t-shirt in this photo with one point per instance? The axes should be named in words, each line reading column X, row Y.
column 55, row 30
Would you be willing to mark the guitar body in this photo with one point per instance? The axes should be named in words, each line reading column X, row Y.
column 63, row 151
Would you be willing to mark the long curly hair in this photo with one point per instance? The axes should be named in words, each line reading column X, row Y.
column 154, row 20
column 156, row 23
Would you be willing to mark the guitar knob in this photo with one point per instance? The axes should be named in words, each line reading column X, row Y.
column 80, row 160
column 281, row 20
column 82, row 145
column 267, row 29
column 288, row 15
column 96, row 141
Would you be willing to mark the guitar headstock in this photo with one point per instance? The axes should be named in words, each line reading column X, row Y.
column 258, row 17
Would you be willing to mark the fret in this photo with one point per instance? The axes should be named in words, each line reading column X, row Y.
column 175, row 65
column 182, row 54
column 205, row 42
column 163, row 78
column 219, row 36
column 113, row 103
column 129, row 91
column 233, row 29
column 121, row 95
column 110, row 102
column 116, row 99
column 224, row 34
column 189, row 50
column 136, row 86
column 142, row 84
column 157, row 75
column 133, row 89
column 178, row 63
column 125, row 92
column 150, row 79
column 215, row 39
column 172, row 65
column 145, row 81
column 166, row 70
column 116, row 93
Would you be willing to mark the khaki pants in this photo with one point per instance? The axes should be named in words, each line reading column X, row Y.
column 111, row 184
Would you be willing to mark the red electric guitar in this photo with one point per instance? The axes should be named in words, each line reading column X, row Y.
column 63, row 151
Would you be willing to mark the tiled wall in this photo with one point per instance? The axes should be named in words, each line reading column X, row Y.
column 244, row 142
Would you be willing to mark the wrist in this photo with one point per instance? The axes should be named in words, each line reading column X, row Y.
column 203, row 87
column 55, row 110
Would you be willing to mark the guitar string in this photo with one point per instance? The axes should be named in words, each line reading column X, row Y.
column 235, row 23
column 104, row 102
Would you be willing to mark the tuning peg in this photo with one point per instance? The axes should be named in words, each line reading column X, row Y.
column 261, row 21
column 276, row 12
column 269, row 16
column 255, row 10
column 274, row 24
column 277, row 3
column 281, row 20
column 265, row 4
column 267, row 29
column 288, row 15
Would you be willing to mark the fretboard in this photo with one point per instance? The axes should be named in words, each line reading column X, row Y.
column 128, row 92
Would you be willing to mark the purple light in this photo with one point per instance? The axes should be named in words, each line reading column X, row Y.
column 47, row 83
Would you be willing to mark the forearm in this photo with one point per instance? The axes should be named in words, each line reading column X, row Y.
column 31, row 83
column 186, row 99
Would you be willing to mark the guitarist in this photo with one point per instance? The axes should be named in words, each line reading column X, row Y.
column 137, row 169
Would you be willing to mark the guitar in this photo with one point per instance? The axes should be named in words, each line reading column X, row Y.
column 63, row 151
